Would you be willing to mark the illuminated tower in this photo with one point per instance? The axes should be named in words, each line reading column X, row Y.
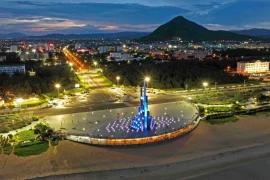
column 143, row 121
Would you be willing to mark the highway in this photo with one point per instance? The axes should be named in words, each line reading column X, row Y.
column 76, row 63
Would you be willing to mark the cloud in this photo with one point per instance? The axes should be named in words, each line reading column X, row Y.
column 97, row 16
column 109, row 28
column 87, row 16
column 39, row 24
column 262, row 25
column 216, row 27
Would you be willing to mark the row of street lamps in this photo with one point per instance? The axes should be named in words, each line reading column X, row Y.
column 147, row 79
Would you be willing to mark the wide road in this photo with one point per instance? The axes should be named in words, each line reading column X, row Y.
column 108, row 98
column 76, row 63
column 95, row 105
column 92, row 80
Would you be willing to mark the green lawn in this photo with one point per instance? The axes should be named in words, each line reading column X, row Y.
column 24, row 136
column 222, row 120
column 9, row 122
column 32, row 103
column 31, row 148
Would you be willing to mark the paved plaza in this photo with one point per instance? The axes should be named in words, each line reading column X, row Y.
column 115, row 122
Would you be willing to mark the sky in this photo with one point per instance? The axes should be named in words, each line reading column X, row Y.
column 38, row 17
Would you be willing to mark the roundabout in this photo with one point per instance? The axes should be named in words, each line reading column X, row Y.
column 169, row 121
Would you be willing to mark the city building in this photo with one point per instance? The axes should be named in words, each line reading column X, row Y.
column 102, row 49
column 191, row 54
column 77, row 46
column 13, row 49
column 34, row 56
column 11, row 69
column 105, row 49
column 120, row 57
column 252, row 67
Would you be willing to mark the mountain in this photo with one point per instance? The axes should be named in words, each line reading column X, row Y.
column 119, row 35
column 188, row 30
column 265, row 33
column 12, row 36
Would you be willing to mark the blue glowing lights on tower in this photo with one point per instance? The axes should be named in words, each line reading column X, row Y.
column 143, row 121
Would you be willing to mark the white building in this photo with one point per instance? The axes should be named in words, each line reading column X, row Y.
column 78, row 46
column 119, row 48
column 11, row 69
column 115, row 55
column 102, row 49
column 119, row 57
column 13, row 49
column 34, row 56
column 252, row 67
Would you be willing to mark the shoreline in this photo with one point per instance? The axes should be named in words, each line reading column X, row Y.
column 179, row 170
column 196, row 152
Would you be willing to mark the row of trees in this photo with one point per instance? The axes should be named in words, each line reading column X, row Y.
column 175, row 74
column 43, row 82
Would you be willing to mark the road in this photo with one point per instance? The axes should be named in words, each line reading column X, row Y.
column 92, row 80
column 98, row 100
column 238, row 88
column 110, row 98
column 76, row 63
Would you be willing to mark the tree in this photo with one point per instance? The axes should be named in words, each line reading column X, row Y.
column 3, row 141
column 261, row 98
column 43, row 130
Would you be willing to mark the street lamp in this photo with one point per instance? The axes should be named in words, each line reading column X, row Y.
column 215, row 85
column 95, row 63
column 118, row 78
column 20, row 100
column 147, row 79
column 205, row 84
column 57, row 86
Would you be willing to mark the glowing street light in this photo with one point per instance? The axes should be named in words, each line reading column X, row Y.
column 19, row 100
column 57, row 86
column 95, row 63
column 205, row 84
column 118, row 78
column 146, row 79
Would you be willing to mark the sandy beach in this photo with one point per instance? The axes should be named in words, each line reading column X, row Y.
column 206, row 146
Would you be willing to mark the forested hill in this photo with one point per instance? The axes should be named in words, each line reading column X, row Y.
column 188, row 30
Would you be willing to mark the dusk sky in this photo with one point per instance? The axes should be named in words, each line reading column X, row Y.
column 86, row 16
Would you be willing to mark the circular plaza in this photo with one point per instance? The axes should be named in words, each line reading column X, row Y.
column 113, row 127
